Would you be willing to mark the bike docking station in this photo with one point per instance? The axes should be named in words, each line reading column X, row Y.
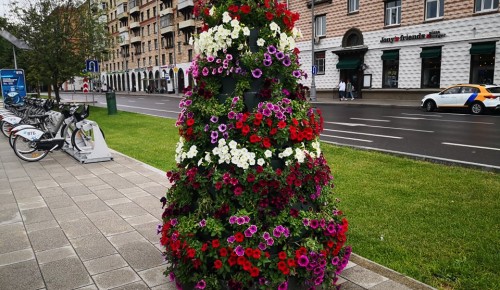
column 94, row 147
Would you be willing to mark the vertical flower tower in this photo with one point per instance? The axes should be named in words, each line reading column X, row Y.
column 251, row 204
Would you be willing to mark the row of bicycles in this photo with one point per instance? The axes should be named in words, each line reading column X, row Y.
column 35, row 128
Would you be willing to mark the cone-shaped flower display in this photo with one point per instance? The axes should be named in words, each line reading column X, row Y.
column 251, row 204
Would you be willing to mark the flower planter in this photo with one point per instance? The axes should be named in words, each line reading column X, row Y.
column 251, row 101
column 228, row 85
column 252, row 40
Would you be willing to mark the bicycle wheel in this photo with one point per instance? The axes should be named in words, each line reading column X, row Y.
column 26, row 150
column 6, row 127
column 84, row 140
column 67, row 132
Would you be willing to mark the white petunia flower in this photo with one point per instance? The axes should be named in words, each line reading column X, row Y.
column 268, row 153
column 246, row 31
column 261, row 162
column 225, row 17
column 260, row 42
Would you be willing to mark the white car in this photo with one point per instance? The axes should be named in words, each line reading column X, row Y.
column 477, row 98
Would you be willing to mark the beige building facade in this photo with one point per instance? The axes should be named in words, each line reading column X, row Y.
column 150, row 48
column 400, row 48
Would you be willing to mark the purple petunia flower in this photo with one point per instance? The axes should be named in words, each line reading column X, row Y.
column 205, row 71
column 283, row 286
column 173, row 222
column 220, row 69
column 303, row 261
column 266, row 236
column 314, row 224
column 335, row 261
column 331, row 228
column 239, row 251
column 271, row 49
column 247, row 219
column 267, row 56
column 257, row 73
column 305, row 222
column 270, row 241
column 214, row 134
column 214, row 119
column 231, row 239
column 240, row 221
column 247, row 233
column 235, row 100
column 286, row 101
column 253, row 229
column 225, row 135
column 206, row 128
column 188, row 103
column 222, row 128
column 229, row 56
column 280, row 55
column 267, row 62
column 201, row 284
column 262, row 246
column 202, row 223
column 232, row 219
column 231, row 115
column 171, row 275
column 210, row 58
column 214, row 71
column 286, row 61
column 213, row 140
column 296, row 73
column 158, row 229
column 267, row 112
column 276, row 233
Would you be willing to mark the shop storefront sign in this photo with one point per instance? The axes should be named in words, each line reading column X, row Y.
column 405, row 37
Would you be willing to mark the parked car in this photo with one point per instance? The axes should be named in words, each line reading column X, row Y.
column 476, row 98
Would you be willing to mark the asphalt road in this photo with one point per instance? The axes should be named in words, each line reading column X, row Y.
column 443, row 137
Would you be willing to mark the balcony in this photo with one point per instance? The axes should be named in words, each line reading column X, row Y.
column 186, row 24
column 134, row 24
column 135, row 39
column 122, row 15
column 167, row 29
column 135, row 9
column 123, row 29
column 183, row 4
column 167, row 11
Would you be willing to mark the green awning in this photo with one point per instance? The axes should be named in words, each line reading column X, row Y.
column 348, row 63
column 483, row 48
column 431, row 52
column 390, row 55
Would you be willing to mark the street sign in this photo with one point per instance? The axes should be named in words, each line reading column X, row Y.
column 176, row 69
column 314, row 70
column 85, row 88
column 92, row 65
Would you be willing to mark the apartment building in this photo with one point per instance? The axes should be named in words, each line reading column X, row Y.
column 150, row 48
column 400, row 48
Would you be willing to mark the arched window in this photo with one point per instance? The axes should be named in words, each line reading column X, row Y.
column 353, row 37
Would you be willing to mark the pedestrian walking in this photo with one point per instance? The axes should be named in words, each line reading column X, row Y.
column 348, row 89
column 341, row 87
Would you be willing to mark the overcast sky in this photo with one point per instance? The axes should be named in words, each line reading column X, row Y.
column 4, row 7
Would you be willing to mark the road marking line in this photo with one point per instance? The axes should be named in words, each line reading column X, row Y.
column 367, row 134
column 470, row 146
column 347, row 138
column 434, row 115
column 426, row 119
column 374, row 120
column 130, row 101
column 381, row 127
column 141, row 98
column 159, row 103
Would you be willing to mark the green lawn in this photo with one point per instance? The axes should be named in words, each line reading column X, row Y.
column 438, row 224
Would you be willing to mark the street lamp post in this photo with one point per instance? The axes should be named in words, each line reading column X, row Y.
column 313, row 34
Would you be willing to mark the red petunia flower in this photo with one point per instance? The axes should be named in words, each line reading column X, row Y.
column 245, row 9
column 249, row 252
column 254, row 272
column 269, row 16
column 218, row 264
column 215, row 243
column 239, row 237
column 190, row 122
column 223, row 252
column 256, row 254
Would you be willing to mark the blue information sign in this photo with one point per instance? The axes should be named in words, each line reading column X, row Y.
column 13, row 85
column 314, row 69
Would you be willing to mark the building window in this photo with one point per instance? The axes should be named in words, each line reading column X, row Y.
column 431, row 67
column 319, row 62
column 179, row 46
column 149, row 29
column 149, row 45
column 156, row 44
column 144, row 61
column 147, row 14
column 150, row 60
column 434, row 9
column 393, row 12
column 163, row 59
column 154, row 28
column 154, row 11
column 485, row 5
column 482, row 63
column 390, row 68
column 320, row 25
column 142, row 16
column 353, row 5
column 156, row 60
column 190, row 55
column 170, row 58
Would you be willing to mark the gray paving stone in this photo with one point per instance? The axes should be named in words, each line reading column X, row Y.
column 23, row 275
column 102, row 215
column 23, row 193
column 77, row 190
column 363, row 277
column 158, row 191
column 390, row 284
column 67, row 273
column 21, row 183
column 165, row 286
column 127, row 210
column 46, row 184
column 105, row 264
column 108, row 193
column 148, row 231
column 94, row 205
column 78, row 228
column 92, row 247
column 113, row 226
column 125, row 238
column 348, row 285
column 89, row 287
column 154, row 276
column 36, row 215
column 142, row 219
column 84, row 198
column 116, row 201
column 59, row 201
column 7, row 196
column 52, row 191
column 115, row 278
column 141, row 255
column 134, row 192
column 133, row 286
column 13, row 238
column 31, row 203
column 48, row 239
column 135, row 177
column 9, row 213
column 55, row 254
column 16, row 257
column 41, row 226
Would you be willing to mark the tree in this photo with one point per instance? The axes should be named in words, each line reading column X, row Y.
column 62, row 35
